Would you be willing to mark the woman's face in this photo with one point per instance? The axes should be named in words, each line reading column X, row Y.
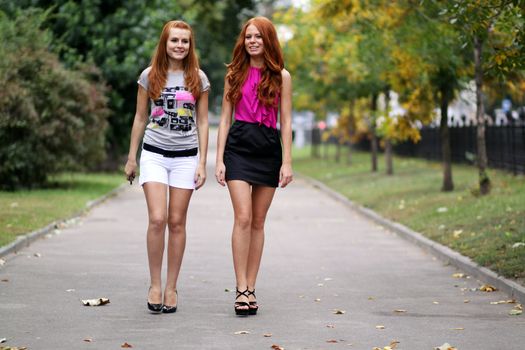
column 253, row 41
column 178, row 44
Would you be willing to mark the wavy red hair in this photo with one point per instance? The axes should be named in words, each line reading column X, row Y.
column 160, row 64
column 270, row 85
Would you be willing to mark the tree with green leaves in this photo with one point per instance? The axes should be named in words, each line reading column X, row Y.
column 493, row 30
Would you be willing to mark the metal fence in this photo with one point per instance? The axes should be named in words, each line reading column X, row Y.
column 505, row 146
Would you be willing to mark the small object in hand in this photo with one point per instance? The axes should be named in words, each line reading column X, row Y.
column 131, row 178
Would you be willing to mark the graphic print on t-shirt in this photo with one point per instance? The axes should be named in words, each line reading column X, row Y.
column 174, row 110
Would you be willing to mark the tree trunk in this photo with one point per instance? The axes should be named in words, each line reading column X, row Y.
column 373, row 140
column 350, row 131
column 388, row 142
column 448, row 184
column 484, row 181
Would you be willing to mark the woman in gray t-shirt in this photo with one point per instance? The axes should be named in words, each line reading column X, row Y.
column 172, row 121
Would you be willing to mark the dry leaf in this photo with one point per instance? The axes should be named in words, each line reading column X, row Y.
column 393, row 344
column 242, row 332
column 435, row 302
column 400, row 310
column 37, row 255
column 458, row 329
column 487, row 288
column 5, row 279
column 3, row 340
column 339, row 312
column 458, row 275
column 88, row 340
column 380, row 326
column 126, row 345
column 332, row 341
column 445, row 346
column 330, row 326
column 317, row 300
column 466, row 301
column 515, row 312
column 267, row 335
column 95, row 302
column 70, row 290
column 371, row 298
column 12, row 348
column 226, row 290
column 277, row 347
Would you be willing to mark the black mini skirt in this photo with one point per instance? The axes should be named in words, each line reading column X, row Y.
column 253, row 154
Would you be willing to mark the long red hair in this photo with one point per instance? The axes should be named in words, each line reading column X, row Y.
column 271, row 79
column 160, row 64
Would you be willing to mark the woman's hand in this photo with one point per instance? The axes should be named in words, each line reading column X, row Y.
column 130, row 170
column 200, row 176
column 220, row 172
column 285, row 175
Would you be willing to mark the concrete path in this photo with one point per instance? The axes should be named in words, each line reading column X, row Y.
column 319, row 257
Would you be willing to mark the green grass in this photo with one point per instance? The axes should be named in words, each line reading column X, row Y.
column 482, row 228
column 24, row 211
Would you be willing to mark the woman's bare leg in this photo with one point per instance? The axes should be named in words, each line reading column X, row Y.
column 178, row 208
column 240, row 193
column 155, row 193
column 261, row 199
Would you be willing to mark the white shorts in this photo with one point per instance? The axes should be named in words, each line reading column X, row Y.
column 175, row 172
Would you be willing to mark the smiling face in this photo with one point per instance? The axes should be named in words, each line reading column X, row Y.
column 178, row 44
column 253, row 41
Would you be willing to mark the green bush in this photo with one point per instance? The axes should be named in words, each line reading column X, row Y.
column 51, row 119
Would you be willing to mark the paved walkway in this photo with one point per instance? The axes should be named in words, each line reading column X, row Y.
column 319, row 256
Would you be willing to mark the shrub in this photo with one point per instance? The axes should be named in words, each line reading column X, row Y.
column 52, row 119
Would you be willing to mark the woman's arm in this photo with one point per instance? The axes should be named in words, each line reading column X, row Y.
column 286, row 173
column 137, row 131
column 224, row 127
column 202, row 132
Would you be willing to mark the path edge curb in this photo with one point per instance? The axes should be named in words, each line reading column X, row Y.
column 25, row 240
column 515, row 290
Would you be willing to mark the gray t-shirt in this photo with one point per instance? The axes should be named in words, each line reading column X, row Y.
column 172, row 117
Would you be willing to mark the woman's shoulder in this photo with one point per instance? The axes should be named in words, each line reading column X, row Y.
column 285, row 74
column 202, row 74
column 146, row 70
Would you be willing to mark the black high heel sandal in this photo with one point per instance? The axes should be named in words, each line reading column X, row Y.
column 241, row 304
column 253, row 304
column 154, row 308
column 166, row 309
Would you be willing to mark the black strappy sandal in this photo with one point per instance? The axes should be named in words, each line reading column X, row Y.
column 241, row 304
column 253, row 304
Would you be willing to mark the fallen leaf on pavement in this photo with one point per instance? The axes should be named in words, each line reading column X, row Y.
column 339, row 312
column 37, row 255
column 445, row 346
column 332, row 341
column 95, row 302
column 458, row 329
column 12, row 348
column 267, row 335
column 458, row 275
column 400, row 311
column 70, row 290
column 380, row 326
column 515, row 312
column 317, row 300
column 435, row 302
column 466, row 301
column 5, row 279
column 371, row 298
column 3, row 340
column 242, row 332
column 330, row 326
column 277, row 347
column 88, row 340
column 126, row 345
column 487, row 288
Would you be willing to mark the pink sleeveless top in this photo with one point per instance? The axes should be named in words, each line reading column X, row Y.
column 249, row 108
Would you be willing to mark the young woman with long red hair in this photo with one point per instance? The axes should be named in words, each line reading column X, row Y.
column 172, row 120
column 250, row 158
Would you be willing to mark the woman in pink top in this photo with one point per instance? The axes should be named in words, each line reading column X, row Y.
column 250, row 159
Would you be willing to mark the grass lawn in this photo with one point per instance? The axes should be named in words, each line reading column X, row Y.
column 24, row 211
column 482, row 228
